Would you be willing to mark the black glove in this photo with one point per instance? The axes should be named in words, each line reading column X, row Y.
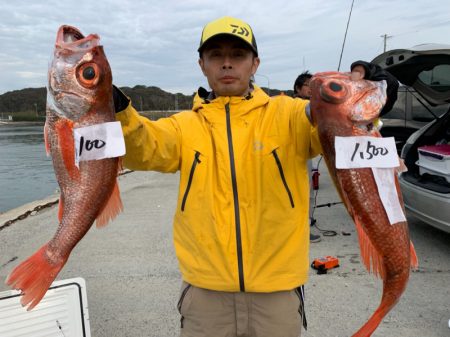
column 120, row 100
column 374, row 72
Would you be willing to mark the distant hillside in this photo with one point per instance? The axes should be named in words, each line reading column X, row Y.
column 25, row 100
column 33, row 100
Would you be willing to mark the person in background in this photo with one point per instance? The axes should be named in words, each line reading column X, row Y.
column 302, row 90
column 241, row 228
column 301, row 85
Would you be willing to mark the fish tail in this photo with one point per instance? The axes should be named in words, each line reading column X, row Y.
column 34, row 276
column 112, row 208
column 371, row 325
column 414, row 259
column 392, row 290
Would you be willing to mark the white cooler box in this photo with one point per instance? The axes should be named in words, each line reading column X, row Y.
column 63, row 312
column 435, row 159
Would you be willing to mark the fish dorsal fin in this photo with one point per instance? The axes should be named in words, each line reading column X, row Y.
column 64, row 129
column 112, row 208
column 370, row 256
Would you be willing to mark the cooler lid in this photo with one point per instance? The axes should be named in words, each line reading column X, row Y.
column 443, row 149
column 62, row 312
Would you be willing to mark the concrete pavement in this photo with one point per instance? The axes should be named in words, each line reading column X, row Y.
column 133, row 280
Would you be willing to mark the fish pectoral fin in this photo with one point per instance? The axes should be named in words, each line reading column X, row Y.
column 47, row 144
column 66, row 142
column 34, row 276
column 370, row 256
column 112, row 208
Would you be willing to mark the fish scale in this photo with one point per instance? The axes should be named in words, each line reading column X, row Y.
column 343, row 107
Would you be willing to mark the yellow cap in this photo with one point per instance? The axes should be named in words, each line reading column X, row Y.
column 230, row 26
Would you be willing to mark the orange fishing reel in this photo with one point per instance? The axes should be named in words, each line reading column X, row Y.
column 323, row 264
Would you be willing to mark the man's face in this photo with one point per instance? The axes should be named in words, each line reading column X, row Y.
column 228, row 64
column 304, row 91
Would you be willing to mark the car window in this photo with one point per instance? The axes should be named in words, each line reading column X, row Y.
column 421, row 114
column 399, row 109
column 437, row 78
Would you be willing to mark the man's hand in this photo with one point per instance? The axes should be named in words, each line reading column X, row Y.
column 358, row 73
column 373, row 72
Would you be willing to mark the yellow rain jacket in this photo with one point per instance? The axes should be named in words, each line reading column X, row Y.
column 241, row 223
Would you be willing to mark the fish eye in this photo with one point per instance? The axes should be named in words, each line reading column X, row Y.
column 88, row 73
column 335, row 86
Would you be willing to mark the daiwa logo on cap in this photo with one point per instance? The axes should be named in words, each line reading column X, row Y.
column 240, row 30
column 231, row 26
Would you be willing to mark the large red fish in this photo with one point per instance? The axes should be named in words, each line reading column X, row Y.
column 79, row 94
column 342, row 107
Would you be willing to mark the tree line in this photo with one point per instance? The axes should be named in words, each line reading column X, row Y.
column 30, row 103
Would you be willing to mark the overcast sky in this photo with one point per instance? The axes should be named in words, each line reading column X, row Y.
column 154, row 43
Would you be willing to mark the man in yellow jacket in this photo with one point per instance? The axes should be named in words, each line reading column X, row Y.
column 241, row 229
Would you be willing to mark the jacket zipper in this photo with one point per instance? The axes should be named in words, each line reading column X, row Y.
column 236, row 201
column 191, row 176
column 280, row 168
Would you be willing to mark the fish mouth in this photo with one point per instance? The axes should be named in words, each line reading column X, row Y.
column 60, row 93
column 69, row 37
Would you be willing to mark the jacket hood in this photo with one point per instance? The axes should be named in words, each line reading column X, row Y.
column 205, row 99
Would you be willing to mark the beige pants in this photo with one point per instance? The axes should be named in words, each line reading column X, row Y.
column 207, row 313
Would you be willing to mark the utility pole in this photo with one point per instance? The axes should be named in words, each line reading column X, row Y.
column 385, row 37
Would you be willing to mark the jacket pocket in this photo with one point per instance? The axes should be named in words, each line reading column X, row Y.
column 184, row 292
column 283, row 178
column 191, row 177
column 300, row 292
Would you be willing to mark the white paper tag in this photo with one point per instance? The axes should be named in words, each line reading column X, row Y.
column 385, row 179
column 98, row 141
column 364, row 151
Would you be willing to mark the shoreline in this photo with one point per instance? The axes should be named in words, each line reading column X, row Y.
column 13, row 213
column 24, row 123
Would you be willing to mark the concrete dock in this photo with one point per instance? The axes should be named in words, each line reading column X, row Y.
column 133, row 280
